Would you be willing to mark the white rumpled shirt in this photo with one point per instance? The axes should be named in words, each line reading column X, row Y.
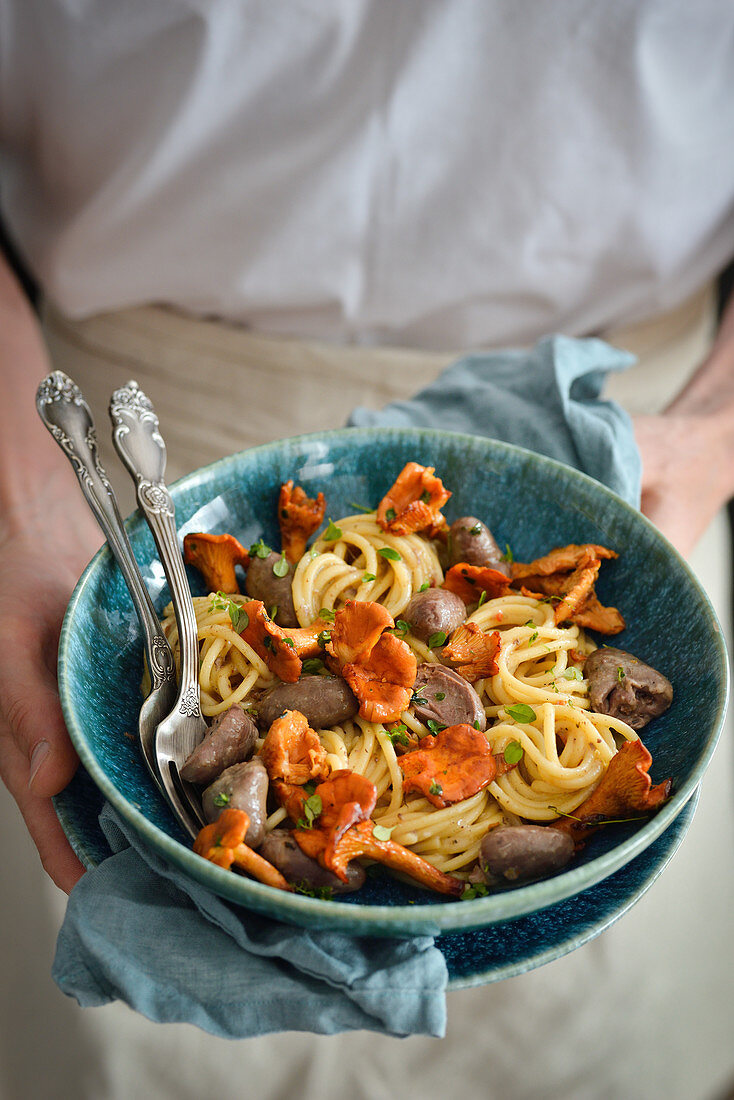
column 436, row 174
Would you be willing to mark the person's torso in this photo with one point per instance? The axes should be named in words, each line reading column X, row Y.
column 440, row 174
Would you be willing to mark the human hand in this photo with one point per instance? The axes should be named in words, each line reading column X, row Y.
column 42, row 553
column 687, row 473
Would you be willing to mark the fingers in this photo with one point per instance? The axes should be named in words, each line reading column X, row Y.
column 32, row 716
column 37, row 759
column 57, row 855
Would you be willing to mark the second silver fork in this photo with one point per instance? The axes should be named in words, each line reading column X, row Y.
column 138, row 442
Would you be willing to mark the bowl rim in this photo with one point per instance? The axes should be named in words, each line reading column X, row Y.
column 363, row 918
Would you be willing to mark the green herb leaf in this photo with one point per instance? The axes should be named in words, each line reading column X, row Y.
column 514, row 752
column 417, row 700
column 399, row 735
column 621, row 675
column 260, row 549
column 477, row 724
column 323, row 893
column 435, row 727
column 359, row 507
column 379, row 832
column 368, row 577
column 425, row 497
column 281, row 566
column 507, row 556
column 273, row 611
column 222, row 799
column 332, row 532
column 323, row 638
column 327, row 615
column 290, row 642
column 571, row 674
column 238, row 617
column 312, row 807
column 437, row 639
column 313, row 666
column 390, row 515
column 476, row 529
column 474, row 890
column 435, row 788
column 268, row 643
column 424, row 586
column 401, row 628
column 482, row 598
column 440, row 696
column 521, row 712
column 388, row 552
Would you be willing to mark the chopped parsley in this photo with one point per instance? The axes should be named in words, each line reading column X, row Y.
column 424, row 586
column 474, row 890
column 260, row 549
column 323, row 638
column 312, row 807
column 399, row 736
column 521, row 712
column 476, row 529
column 418, row 700
column 440, row 696
column 332, row 532
column 435, row 727
column 368, row 577
column 389, row 553
column 435, row 789
column 401, row 628
column 237, row 615
column 621, row 675
column 513, row 753
column 281, row 566
column 390, row 515
column 313, row 666
column 222, row 799
column 425, row 497
column 323, row 893
column 507, row 556
column 326, row 614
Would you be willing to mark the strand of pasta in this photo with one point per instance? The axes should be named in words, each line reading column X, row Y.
column 336, row 569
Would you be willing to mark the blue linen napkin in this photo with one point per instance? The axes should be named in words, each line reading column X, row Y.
column 546, row 399
column 138, row 930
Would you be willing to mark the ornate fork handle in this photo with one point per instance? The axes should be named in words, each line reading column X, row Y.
column 67, row 416
column 139, row 444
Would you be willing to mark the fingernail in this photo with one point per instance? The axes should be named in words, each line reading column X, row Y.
column 38, row 756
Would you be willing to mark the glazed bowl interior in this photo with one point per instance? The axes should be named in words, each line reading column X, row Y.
column 530, row 503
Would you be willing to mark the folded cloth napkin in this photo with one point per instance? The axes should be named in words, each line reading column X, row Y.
column 546, row 399
column 138, row 930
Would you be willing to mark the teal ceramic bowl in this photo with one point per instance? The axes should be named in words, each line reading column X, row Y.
column 530, row 502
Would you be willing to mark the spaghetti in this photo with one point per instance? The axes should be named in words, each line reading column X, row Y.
column 536, row 704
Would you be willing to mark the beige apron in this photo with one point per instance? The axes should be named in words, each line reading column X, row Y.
column 644, row 1010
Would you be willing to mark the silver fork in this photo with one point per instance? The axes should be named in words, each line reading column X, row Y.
column 67, row 416
column 138, row 442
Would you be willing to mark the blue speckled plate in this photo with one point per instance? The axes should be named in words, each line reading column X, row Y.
column 530, row 502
